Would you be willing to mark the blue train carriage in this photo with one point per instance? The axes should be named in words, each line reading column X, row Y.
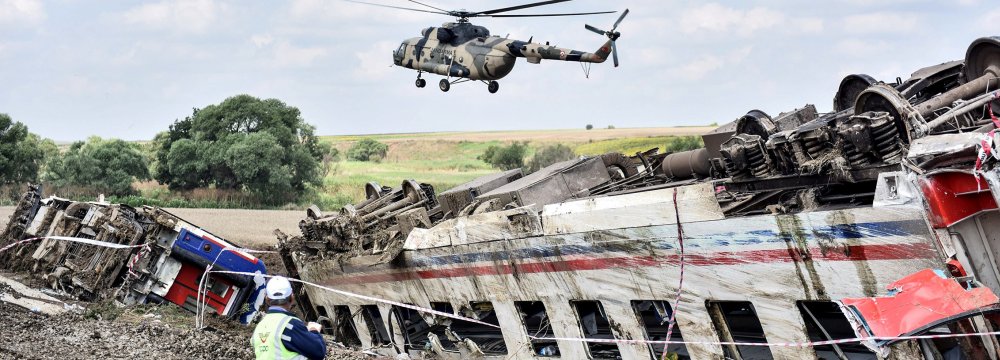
column 192, row 250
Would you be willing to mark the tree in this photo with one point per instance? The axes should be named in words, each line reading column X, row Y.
column 683, row 143
column 590, row 126
column 242, row 143
column 505, row 157
column 106, row 166
column 550, row 155
column 21, row 152
column 367, row 150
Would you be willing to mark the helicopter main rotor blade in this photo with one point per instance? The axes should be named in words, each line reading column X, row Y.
column 614, row 52
column 519, row 7
column 432, row 7
column 594, row 29
column 545, row 15
column 398, row 7
column 620, row 18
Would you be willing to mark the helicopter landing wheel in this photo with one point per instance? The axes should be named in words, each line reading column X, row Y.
column 493, row 87
column 444, row 85
column 421, row 83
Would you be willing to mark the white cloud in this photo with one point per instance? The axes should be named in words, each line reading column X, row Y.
column 987, row 23
column 703, row 66
column 262, row 40
column 21, row 12
column 374, row 62
column 861, row 48
column 190, row 16
column 717, row 18
column 327, row 10
column 881, row 22
column 809, row 24
column 288, row 55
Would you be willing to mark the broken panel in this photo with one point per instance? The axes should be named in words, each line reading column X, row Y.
column 655, row 317
column 595, row 325
column 824, row 321
column 412, row 325
column 737, row 321
column 488, row 339
column 376, row 326
column 917, row 303
column 324, row 319
column 344, row 330
column 536, row 323
column 442, row 326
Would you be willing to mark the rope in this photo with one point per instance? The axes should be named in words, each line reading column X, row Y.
column 680, row 284
column 72, row 239
column 202, row 294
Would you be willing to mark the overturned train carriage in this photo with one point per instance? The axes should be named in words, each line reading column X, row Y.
column 145, row 255
column 873, row 220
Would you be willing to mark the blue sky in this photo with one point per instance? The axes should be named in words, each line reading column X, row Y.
column 73, row 68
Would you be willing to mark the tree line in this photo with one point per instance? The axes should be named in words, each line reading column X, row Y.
column 244, row 144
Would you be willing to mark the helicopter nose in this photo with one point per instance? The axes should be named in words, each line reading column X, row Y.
column 399, row 54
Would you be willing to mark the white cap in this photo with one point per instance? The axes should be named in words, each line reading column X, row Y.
column 278, row 288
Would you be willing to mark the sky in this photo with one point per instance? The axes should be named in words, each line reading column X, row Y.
column 70, row 69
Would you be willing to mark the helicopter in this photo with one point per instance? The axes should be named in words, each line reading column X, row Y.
column 465, row 52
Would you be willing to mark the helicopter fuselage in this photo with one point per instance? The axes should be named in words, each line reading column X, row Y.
column 465, row 50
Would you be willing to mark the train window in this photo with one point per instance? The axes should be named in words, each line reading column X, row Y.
column 488, row 338
column 324, row 319
column 737, row 321
column 343, row 327
column 824, row 321
column 536, row 323
column 655, row 316
column 413, row 326
column 595, row 325
column 376, row 326
column 441, row 326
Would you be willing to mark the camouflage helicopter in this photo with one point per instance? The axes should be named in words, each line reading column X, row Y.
column 469, row 53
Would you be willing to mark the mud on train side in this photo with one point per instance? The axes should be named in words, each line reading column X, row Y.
column 873, row 221
column 164, row 264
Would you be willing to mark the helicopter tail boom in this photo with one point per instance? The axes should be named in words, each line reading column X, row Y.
column 537, row 52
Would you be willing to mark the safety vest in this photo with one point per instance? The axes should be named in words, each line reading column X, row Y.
column 267, row 338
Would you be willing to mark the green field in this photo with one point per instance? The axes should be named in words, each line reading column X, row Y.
column 445, row 160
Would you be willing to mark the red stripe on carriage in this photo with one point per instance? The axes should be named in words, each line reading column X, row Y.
column 784, row 255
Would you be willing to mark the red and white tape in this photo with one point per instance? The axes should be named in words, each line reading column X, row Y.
column 71, row 239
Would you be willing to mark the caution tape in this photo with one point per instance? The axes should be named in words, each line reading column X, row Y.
column 202, row 294
column 72, row 239
column 680, row 283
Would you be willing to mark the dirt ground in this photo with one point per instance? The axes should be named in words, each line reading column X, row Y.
column 139, row 333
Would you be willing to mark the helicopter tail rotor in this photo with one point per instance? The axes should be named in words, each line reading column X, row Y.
column 612, row 34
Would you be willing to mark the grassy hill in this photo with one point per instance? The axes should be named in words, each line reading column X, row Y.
column 447, row 159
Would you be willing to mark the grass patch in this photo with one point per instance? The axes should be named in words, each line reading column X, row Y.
column 630, row 146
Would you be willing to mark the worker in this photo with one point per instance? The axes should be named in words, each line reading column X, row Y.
column 281, row 335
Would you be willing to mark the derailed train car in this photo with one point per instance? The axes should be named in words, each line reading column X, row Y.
column 876, row 221
column 159, row 257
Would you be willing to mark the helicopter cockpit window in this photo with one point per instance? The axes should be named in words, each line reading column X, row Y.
column 401, row 50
